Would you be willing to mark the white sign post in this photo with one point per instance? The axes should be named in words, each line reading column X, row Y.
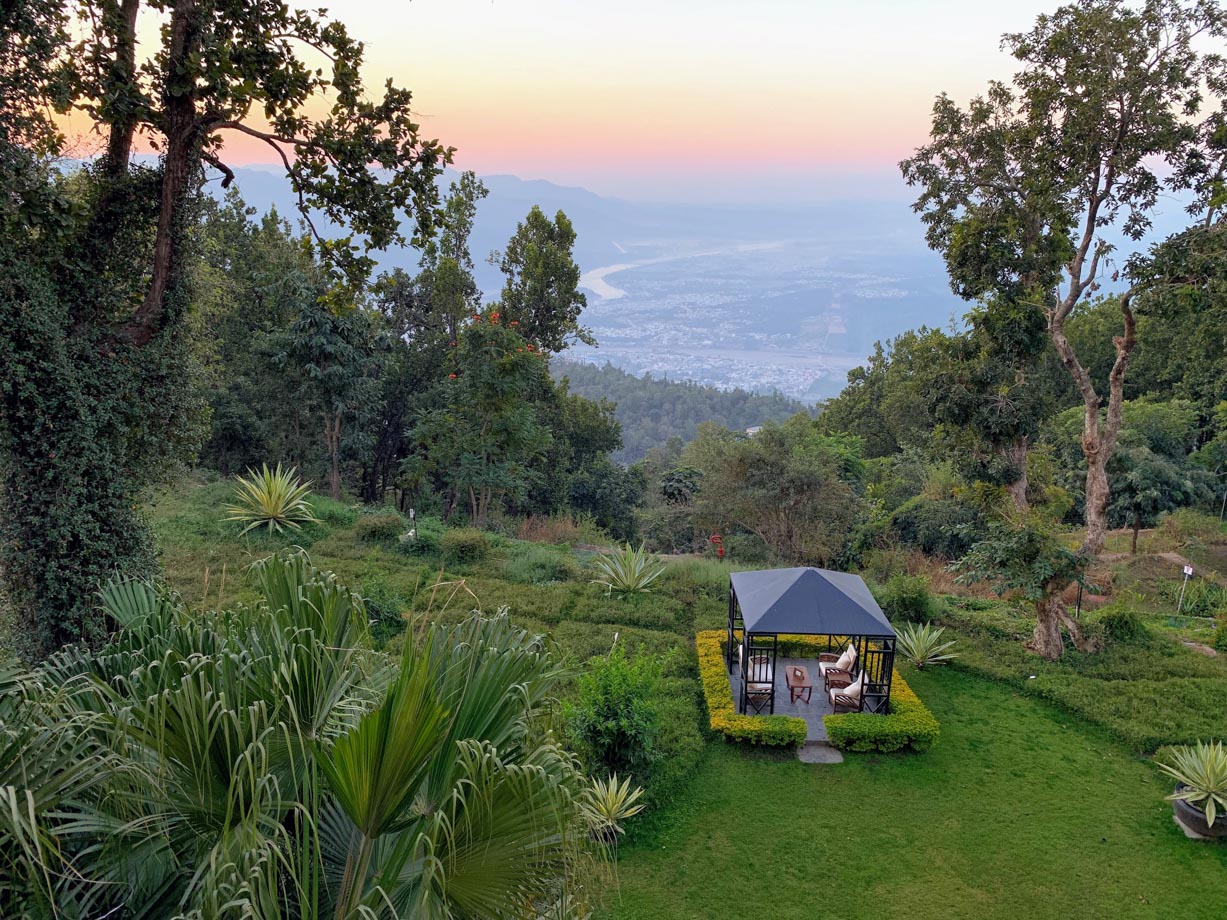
column 1188, row 570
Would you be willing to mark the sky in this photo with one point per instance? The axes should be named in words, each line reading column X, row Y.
column 754, row 101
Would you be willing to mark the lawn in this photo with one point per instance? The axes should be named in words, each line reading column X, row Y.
column 1019, row 812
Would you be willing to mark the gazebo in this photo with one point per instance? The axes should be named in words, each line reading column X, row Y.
column 765, row 605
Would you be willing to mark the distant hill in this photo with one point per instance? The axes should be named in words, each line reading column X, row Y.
column 652, row 410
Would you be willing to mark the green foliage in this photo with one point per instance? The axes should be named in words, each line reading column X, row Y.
column 907, row 598
column 794, row 486
column 1201, row 771
column 427, row 536
column 908, row 726
column 484, row 441
column 541, row 294
column 1220, row 635
column 945, row 527
column 1025, row 559
column 275, row 499
column 1202, row 597
column 98, row 401
column 614, row 721
column 380, row 528
column 536, row 564
column 464, row 545
column 323, row 760
column 1122, row 623
column 627, row 571
column 921, row 644
column 652, row 411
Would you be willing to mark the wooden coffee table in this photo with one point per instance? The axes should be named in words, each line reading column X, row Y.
column 799, row 685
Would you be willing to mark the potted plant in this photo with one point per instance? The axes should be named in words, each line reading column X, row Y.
column 1200, row 799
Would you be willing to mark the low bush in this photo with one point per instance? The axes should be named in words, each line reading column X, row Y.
column 1121, row 623
column 330, row 511
column 908, row 726
column 906, row 598
column 769, row 731
column 1220, row 635
column 614, row 720
column 554, row 528
column 464, row 545
column 943, row 527
column 379, row 528
column 539, row 565
column 424, row 537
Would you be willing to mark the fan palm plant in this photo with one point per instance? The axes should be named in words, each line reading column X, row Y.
column 922, row 644
column 265, row 761
column 271, row 498
column 628, row 570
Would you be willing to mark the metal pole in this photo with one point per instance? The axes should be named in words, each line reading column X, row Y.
column 1180, row 603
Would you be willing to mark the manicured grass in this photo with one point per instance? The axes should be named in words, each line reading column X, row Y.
column 1019, row 812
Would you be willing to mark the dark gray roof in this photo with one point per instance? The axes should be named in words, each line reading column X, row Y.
column 808, row 601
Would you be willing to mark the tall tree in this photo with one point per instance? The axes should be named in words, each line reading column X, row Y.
column 541, row 295
column 1021, row 190
column 96, row 397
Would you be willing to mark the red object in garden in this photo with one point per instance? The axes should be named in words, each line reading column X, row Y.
column 717, row 541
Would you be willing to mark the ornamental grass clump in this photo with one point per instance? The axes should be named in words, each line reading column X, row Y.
column 1200, row 771
column 628, row 571
column 922, row 644
column 271, row 498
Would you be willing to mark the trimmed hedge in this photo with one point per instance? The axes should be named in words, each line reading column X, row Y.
column 908, row 726
column 770, row 731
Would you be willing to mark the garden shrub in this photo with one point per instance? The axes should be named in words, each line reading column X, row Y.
column 1121, row 623
column 614, row 720
column 464, row 545
column 427, row 536
column 907, row 598
column 908, row 726
column 937, row 526
column 769, row 731
column 379, row 528
column 332, row 512
column 1220, row 635
column 538, row 564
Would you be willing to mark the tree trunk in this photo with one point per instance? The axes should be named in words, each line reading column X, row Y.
column 1047, row 641
column 181, row 158
column 122, row 22
column 1016, row 454
column 1133, row 544
column 332, row 436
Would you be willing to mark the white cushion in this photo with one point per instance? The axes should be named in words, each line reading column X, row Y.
column 852, row 691
column 843, row 663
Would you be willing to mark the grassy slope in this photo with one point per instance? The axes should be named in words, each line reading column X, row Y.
column 1019, row 812
column 927, row 823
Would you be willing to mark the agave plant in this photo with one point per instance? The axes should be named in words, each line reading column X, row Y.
column 1201, row 772
column 922, row 644
column 628, row 570
column 609, row 802
column 265, row 761
column 271, row 498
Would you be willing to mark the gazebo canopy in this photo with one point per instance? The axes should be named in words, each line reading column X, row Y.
column 808, row 601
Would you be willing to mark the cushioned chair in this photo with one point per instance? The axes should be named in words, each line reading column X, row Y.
column 759, row 677
column 849, row 697
column 843, row 663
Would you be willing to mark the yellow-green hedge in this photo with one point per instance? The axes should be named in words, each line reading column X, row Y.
column 771, row 731
column 908, row 725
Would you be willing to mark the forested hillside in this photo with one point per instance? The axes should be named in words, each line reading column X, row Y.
column 652, row 410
